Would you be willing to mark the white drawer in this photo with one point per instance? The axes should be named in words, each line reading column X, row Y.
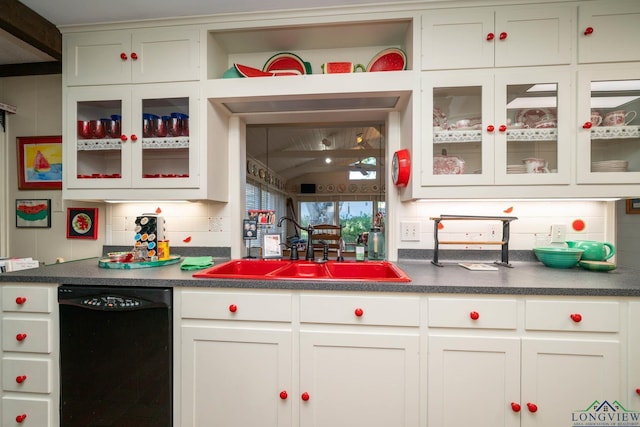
column 26, row 375
column 28, row 299
column 236, row 306
column 476, row 313
column 36, row 412
column 360, row 310
column 572, row 315
column 35, row 334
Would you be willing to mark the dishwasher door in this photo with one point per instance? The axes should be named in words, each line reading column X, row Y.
column 116, row 356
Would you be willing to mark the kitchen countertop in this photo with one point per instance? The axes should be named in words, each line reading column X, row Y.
column 525, row 278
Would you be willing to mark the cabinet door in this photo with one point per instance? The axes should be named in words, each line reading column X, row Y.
column 457, row 39
column 165, row 55
column 99, row 57
column 472, row 381
column 358, row 379
column 561, row 376
column 608, row 31
column 458, row 142
column 234, row 377
column 533, row 35
column 608, row 125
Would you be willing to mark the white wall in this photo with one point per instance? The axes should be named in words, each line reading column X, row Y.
column 628, row 242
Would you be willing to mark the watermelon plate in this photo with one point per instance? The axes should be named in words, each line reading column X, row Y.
column 287, row 62
column 247, row 71
column 392, row 59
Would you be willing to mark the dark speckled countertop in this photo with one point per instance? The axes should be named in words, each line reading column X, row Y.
column 525, row 278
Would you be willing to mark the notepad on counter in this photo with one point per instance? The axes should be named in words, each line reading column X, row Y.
column 477, row 267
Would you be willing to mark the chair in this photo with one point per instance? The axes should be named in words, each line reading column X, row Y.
column 328, row 233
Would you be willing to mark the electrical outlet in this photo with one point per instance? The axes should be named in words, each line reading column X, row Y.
column 494, row 231
column 409, row 231
column 558, row 233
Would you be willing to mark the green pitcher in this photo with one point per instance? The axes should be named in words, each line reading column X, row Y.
column 593, row 250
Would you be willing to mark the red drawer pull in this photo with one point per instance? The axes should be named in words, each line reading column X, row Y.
column 588, row 31
column 576, row 317
column 233, row 308
column 503, row 36
column 359, row 312
column 474, row 315
column 515, row 407
column 305, row 396
column 638, row 390
column 502, row 128
column 490, row 128
column 490, row 36
column 532, row 407
column 21, row 300
column 21, row 337
column 20, row 379
column 134, row 137
column 283, row 395
column 587, row 125
column 123, row 56
column 134, row 56
column 20, row 418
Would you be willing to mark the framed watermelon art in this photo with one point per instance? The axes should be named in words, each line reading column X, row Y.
column 33, row 213
column 39, row 162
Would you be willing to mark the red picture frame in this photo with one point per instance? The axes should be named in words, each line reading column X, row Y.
column 82, row 223
column 39, row 162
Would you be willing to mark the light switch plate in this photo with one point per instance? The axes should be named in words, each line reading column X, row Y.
column 410, row 231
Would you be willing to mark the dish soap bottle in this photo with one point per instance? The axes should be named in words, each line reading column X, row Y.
column 359, row 248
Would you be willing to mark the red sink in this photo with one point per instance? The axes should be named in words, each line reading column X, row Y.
column 264, row 269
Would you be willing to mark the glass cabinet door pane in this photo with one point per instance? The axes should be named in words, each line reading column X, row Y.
column 457, row 130
column 99, row 147
column 615, row 136
column 165, row 138
column 532, row 128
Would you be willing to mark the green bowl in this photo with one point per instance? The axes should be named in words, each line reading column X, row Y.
column 558, row 257
column 597, row 265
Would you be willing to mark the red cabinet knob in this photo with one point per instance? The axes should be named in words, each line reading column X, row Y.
column 233, row 308
column 283, row 395
column 20, row 418
column 532, row 407
column 134, row 137
column 588, row 31
column 20, row 379
column 502, row 128
column 123, row 56
column 474, row 315
column 134, row 56
column 359, row 312
column 587, row 125
column 123, row 138
column 21, row 337
column 576, row 317
column 503, row 36
column 490, row 36
column 638, row 390
column 490, row 128
column 21, row 300
column 515, row 407
column 305, row 396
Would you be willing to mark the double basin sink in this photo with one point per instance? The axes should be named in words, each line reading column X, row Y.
column 272, row 269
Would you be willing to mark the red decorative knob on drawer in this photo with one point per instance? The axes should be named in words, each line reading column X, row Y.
column 359, row 312
column 503, row 36
column 134, row 137
column 305, row 396
column 491, row 36
column 587, row 125
column 283, row 395
column 21, row 337
column 576, row 317
column 123, row 56
column 474, row 315
column 532, row 407
column 490, row 128
column 515, row 407
column 20, row 418
column 588, row 31
column 20, row 379
column 502, row 128
column 134, row 56
column 233, row 308
column 21, row 300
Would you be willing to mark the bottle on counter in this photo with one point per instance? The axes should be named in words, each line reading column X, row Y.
column 359, row 248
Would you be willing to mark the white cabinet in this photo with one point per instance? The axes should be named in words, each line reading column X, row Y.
column 134, row 159
column 504, row 37
column 495, row 127
column 481, row 372
column 29, row 355
column 132, row 56
column 608, row 31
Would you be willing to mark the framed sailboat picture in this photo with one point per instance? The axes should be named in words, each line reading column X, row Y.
column 39, row 162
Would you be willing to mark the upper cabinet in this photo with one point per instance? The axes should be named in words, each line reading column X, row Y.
column 608, row 31
column 502, row 37
column 132, row 56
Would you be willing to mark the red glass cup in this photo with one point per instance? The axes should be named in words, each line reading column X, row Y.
column 84, row 129
column 97, row 129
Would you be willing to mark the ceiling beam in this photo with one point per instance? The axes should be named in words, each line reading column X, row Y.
column 25, row 24
column 31, row 69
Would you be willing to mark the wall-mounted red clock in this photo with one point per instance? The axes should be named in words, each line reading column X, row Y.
column 401, row 168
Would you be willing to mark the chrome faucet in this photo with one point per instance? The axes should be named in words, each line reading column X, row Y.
column 309, row 254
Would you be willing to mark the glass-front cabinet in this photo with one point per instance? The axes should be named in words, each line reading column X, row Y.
column 496, row 127
column 608, row 125
column 124, row 137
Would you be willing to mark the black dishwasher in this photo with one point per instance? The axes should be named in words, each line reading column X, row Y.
column 116, row 356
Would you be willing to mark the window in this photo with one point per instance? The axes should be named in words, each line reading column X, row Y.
column 363, row 169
